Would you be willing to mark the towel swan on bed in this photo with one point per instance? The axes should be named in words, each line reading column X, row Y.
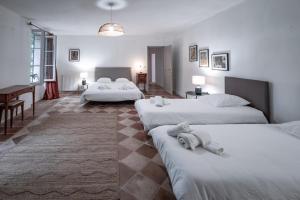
column 191, row 139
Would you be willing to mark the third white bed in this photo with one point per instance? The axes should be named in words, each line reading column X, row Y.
column 195, row 111
column 114, row 94
column 261, row 162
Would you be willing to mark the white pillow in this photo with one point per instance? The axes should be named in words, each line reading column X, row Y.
column 122, row 80
column 104, row 80
column 292, row 128
column 224, row 100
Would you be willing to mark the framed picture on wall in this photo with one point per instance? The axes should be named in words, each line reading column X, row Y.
column 74, row 55
column 193, row 53
column 204, row 58
column 220, row 61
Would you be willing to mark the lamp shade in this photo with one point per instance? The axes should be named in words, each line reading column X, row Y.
column 198, row 80
column 111, row 30
column 83, row 75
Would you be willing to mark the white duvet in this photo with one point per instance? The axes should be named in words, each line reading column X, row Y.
column 260, row 163
column 195, row 112
column 116, row 93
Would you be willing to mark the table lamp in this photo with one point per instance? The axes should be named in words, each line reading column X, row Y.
column 83, row 76
column 198, row 81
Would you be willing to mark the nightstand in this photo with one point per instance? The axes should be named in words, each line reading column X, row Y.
column 193, row 94
column 82, row 88
column 141, row 78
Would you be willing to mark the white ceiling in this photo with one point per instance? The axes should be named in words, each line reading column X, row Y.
column 139, row 17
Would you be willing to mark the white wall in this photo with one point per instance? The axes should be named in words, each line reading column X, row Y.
column 15, row 52
column 126, row 51
column 263, row 37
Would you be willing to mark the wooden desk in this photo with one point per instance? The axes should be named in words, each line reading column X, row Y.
column 13, row 92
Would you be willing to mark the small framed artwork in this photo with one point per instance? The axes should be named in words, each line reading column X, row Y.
column 74, row 55
column 204, row 58
column 193, row 53
column 220, row 61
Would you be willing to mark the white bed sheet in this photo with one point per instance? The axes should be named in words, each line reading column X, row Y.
column 115, row 94
column 195, row 112
column 260, row 163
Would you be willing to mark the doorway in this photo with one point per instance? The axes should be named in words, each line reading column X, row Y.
column 160, row 70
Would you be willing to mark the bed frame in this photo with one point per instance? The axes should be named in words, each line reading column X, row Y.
column 113, row 73
column 254, row 91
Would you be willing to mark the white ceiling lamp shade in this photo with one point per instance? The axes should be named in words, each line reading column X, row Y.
column 111, row 29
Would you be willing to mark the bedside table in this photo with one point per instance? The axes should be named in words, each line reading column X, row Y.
column 193, row 94
column 141, row 78
column 82, row 88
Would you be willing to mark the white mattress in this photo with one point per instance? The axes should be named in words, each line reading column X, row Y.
column 195, row 112
column 260, row 163
column 111, row 95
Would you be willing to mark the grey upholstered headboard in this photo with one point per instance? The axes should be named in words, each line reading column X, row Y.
column 113, row 72
column 256, row 92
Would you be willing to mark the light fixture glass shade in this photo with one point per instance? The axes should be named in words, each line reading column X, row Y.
column 111, row 30
column 198, row 80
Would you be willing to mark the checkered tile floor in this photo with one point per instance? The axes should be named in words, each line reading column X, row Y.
column 142, row 173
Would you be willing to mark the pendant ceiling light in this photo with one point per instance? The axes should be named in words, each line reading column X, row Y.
column 111, row 29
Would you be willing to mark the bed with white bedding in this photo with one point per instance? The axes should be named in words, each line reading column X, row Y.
column 260, row 162
column 211, row 110
column 112, row 84
column 111, row 92
column 195, row 111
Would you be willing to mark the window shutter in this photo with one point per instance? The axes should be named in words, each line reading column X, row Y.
column 50, row 58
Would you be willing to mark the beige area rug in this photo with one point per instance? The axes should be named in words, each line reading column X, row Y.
column 63, row 156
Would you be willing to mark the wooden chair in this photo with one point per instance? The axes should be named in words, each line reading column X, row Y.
column 13, row 105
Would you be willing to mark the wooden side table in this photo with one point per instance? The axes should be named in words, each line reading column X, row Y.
column 141, row 78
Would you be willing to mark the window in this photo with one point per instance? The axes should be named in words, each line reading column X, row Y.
column 43, row 57
column 50, row 58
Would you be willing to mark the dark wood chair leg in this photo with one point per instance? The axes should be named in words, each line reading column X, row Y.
column 22, row 110
column 17, row 111
column 11, row 117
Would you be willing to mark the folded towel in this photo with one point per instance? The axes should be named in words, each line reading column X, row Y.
column 159, row 102
column 203, row 137
column 152, row 100
column 214, row 148
column 183, row 127
column 166, row 102
column 104, row 87
column 126, row 87
column 196, row 138
column 188, row 141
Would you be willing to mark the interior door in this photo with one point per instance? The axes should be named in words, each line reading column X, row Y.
column 168, row 69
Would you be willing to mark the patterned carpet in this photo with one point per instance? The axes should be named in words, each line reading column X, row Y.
column 63, row 155
column 141, row 174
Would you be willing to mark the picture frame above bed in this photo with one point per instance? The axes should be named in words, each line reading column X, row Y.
column 220, row 61
column 204, row 58
column 193, row 53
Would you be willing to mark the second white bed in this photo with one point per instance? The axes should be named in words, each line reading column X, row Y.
column 195, row 111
